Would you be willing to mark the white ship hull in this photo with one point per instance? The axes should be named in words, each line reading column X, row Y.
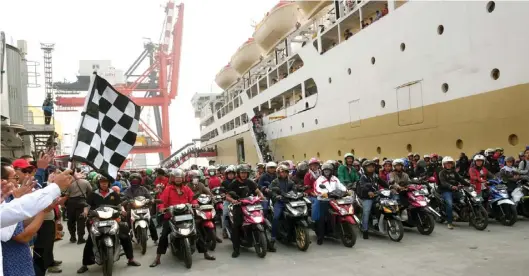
column 440, row 93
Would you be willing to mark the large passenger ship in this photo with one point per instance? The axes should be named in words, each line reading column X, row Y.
column 375, row 78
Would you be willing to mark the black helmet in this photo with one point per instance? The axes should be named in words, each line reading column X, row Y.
column 243, row 168
column 135, row 176
column 368, row 163
column 303, row 166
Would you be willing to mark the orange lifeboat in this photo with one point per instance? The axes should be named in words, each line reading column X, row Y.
column 310, row 8
column 276, row 25
column 226, row 77
column 246, row 56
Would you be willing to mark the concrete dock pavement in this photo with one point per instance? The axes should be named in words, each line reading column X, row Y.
column 499, row 250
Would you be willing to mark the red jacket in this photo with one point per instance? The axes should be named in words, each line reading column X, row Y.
column 214, row 182
column 309, row 181
column 475, row 177
column 384, row 175
column 170, row 197
column 164, row 181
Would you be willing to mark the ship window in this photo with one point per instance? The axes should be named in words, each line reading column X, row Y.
column 294, row 64
column 382, row 103
column 491, row 6
column 277, row 103
column 330, row 80
column 304, row 155
column 262, row 84
column 316, row 121
column 254, row 90
column 350, row 26
column 302, row 125
column 282, row 71
column 310, row 88
column 444, row 87
column 236, row 102
column 440, row 29
column 379, row 150
column 329, row 39
column 372, row 60
column 459, row 144
column 495, row 74
column 409, row 148
column 349, row 71
column 402, row 47
column 244, row 118
column 273, row 77
column 513, row 139
column 237, row 122
column 249, row 93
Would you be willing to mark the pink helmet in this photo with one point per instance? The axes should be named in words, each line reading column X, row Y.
column 314, row 160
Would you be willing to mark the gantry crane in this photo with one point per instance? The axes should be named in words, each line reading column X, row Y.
column 158, row 83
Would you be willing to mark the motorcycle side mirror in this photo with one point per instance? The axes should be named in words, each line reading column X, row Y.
column 322, row 186
column 232, row 194
column 195, row 196
column 158, row 201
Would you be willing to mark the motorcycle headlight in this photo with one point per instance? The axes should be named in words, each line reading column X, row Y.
column 474, row 194
column 184, row 231
column 139, row 203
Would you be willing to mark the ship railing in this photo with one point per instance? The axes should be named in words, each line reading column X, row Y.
column 35, row 121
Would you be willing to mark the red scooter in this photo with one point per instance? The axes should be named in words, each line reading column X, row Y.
column 342, row 218
column 219, row 196
column 205, row 216
column 418, row 213
column 252, row 232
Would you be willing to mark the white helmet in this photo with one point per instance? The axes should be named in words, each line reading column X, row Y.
column 478, row 157
column 212, row 168
column 489, row 151
column 271, row 165
column 397, row 162
column 426, row 156
column 447, row 159
column 230, row 168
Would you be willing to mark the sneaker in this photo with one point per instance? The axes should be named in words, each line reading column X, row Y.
column 235, row 254
column 56, row 263
column 83, row 269
column 73, row 239
column 450, row 226
column 81, row 241
column 54, row 269
column 366, row 235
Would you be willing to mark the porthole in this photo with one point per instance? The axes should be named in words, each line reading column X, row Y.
column 444, row 87
column 491, row 6
column 304, row 155
column 495, row 74
column 409, row 148
column 513, row 139
column 440, row 29
column 340, row 153
column 330, row 80
column 373, row 60
column 283, row 157
column 293, row 157
column 306, row 105
column 459, row 144
column 316, row 121
column 302, row 125
column 318, row 154
column 379, row 150
column 349, row 71
column 402, row 47
column 382, row 103
column 353, row 151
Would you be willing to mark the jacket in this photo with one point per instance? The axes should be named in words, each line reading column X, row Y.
column 401, row 179
column 164, row 181
column 285, row 185
column 477, row 175
column 492, row 165
column 448, row 179
column 368, row 184
column 523, row 167
column 347, row 175
column 384, row 175
column 331, row 184
column 170, row 197
column 98, row 198
column 507, row 174
column 199, row 188
column 213, row 182
column 135, row 191
column 308, row 181
column 266, row 179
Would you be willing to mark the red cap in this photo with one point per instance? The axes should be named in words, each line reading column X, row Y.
column 21, row 164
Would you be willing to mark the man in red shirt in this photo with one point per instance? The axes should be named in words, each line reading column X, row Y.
column 161, row 179
column 213, row 180
column 174, row 193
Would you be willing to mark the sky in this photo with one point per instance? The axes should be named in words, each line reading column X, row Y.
column 116, row 29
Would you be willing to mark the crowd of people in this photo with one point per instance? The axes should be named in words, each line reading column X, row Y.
column 34, row 191
column 186, row 154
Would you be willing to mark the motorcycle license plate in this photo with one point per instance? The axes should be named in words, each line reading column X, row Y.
column 183, row 217
column 104, row 223
column 142, row 211
column 297, row 203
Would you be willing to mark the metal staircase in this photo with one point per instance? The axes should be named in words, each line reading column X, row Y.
column 261, row 144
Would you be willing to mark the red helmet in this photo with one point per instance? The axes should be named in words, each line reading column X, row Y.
column 434, row 155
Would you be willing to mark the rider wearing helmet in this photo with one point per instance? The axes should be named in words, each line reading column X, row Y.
column 479, row 174
column 301, row 169
column 285, row 185
column 213, row 179
column 347, row 174
column 161, row 179
column 193, row 178
column 308, row 181
column 268, row 176
column 175, row 193
column 448, row 182
column 398, row 177
column 135, row 190
column 260, row 171
column 433, row 167
column 510, row 174
column 105, row 196
column 387, row 167
column 368, row 185
column 491, row 163
column 243, row 187
column 229, row 176
column 331, row 183
column 498, row 155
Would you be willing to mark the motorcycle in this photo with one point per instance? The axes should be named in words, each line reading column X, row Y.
column 520, row 196
column 418, row 213
column 219, row 194
column 500, row 206
column 183, row 232
column 293, row 225
column 104, row 233
column 205, row 214
column 252, row 232
column 467, row 206
column 342, row 218
column 140, row 216
column 384, row 216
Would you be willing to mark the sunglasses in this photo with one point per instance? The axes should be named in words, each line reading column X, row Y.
column 26, row 170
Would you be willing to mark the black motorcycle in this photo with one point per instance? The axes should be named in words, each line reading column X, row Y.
column 467, row 206
column 104, row 233
column 520, row 196
column 219, row 195
column 183, row 232
column 293, row 224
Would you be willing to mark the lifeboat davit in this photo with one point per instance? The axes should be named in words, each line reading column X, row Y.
column 246, row 56
column 310, row 8
column 276, row 25
column 226, row 77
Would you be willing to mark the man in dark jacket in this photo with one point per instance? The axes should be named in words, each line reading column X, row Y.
column 265, row 180
column 448, row 182
column 135, row 190
column 369, row 184
column 285, row 185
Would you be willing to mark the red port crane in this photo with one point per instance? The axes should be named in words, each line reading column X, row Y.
column 166, row 66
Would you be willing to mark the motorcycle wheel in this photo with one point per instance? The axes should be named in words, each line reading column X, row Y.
column 211, row 239
column 302, row 238
column 348, row 236
column 511, row 216
column 186, row 253
column 427, row 225
column 398, row 233
column 108, row 261
column 143, row 240
column 525, row 209
column 482, row 221
column 260, row 244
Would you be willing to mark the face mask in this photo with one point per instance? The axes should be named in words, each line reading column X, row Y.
column 135, row 182
column 212, row 173
column 195, row 180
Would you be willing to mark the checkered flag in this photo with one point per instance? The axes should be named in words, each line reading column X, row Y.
column 108, row 129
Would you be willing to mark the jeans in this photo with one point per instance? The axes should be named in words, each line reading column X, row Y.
column 323, row 214
column 278, row 211
column 225, row 213
column 447, row 197
column 366, row 212
column 315, row 208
